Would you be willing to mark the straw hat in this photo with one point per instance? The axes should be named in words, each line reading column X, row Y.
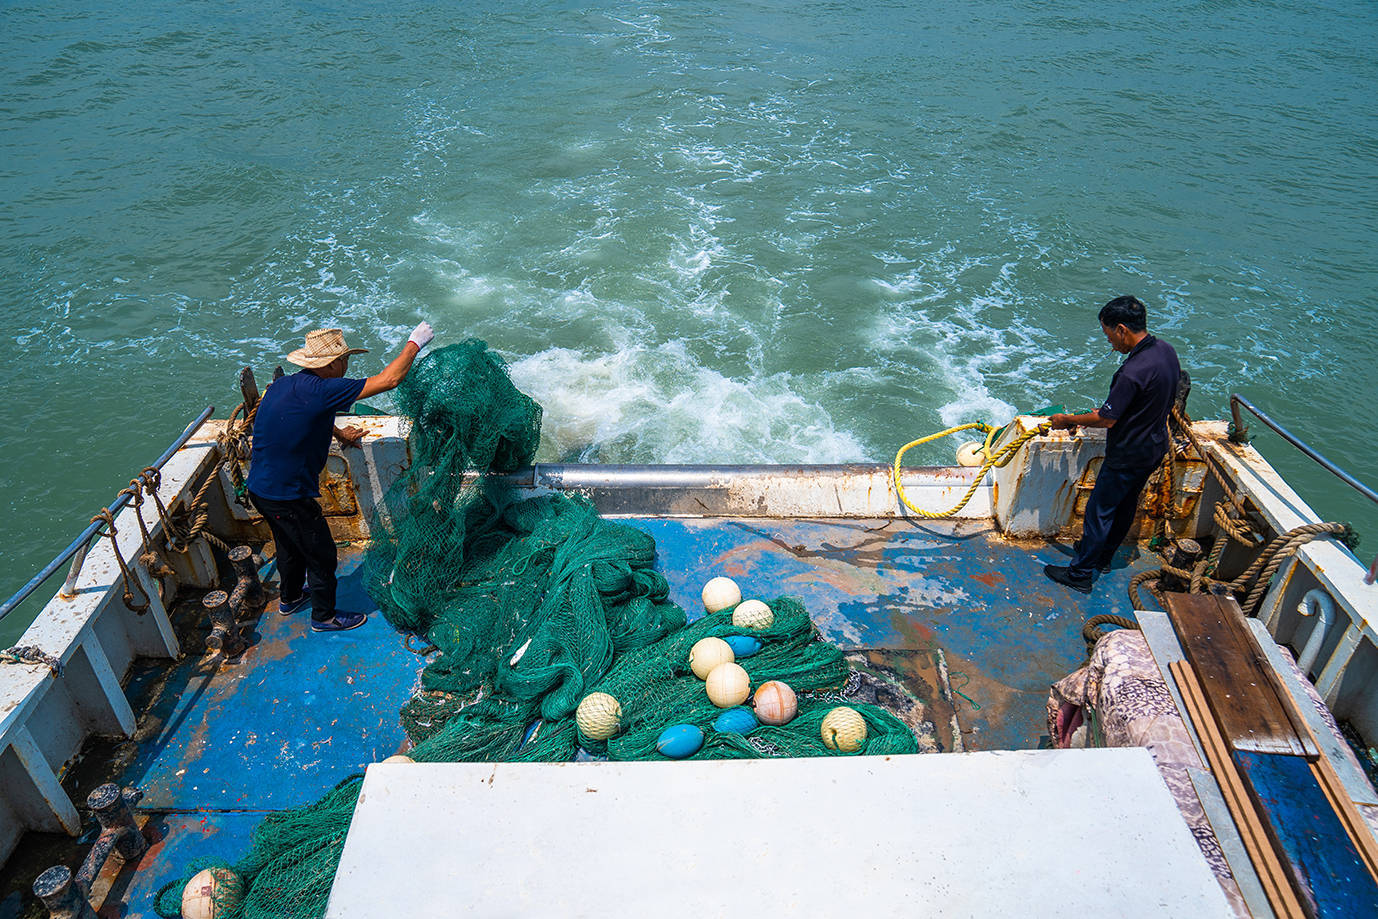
column 322, row 347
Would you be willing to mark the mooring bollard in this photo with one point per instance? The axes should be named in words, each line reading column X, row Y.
column 1185, row 554
column 58, row 890
column 247, row 595
column 65, row 895
column 112, row 806
column 223, row 635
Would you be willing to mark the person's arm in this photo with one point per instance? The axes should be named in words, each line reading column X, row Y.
column 396, row 371
column 1094, row 419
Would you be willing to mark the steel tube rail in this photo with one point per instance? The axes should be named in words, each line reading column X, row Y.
column 1239, row 435
column 80, row 544
column 1236, row 400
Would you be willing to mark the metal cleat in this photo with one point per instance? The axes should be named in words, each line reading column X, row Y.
column 224, row 634
column 247, row 595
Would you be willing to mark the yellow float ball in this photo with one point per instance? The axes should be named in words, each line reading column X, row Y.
column 212, row 893
column 775, row 703
column 720, row 594
column 752, row 614
column 708, row 653
column 970, row 454
column 599, row 716
column 399, row 758
column 727, row 685
column 843, row 729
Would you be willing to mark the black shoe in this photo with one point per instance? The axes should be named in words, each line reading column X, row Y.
column 340, row 622
column 1061, row 574
column 287, row 609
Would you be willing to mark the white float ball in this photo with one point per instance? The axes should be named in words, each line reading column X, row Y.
column 728, row 685
column 720, row 594
column 752, row 614
column 775, row 703
column 212, row 893
column 970, row 454
column 399, row 758
column 843, row 729
column 708, row 653
column 599, row 716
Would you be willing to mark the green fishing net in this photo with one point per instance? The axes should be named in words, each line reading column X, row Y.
column 527, row 605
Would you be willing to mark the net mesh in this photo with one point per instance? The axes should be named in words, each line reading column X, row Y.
column 530, row 605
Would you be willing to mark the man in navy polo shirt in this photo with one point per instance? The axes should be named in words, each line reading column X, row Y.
column 1142, row 392
column 292, row 431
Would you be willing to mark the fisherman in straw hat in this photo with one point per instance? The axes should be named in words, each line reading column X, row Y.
column 292, row 431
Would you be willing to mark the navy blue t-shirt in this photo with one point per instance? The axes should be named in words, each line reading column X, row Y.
column 292, row 433
column 1141, row 396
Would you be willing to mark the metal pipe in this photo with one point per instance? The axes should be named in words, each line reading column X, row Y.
column 1318, row 603
column 1239, row 436
column 1236, row 400
column 79, row 545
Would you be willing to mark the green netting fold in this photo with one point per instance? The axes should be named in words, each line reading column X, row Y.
column 527, row 606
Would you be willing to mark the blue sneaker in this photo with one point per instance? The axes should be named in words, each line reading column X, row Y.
column 287, row 609
column 340, row 622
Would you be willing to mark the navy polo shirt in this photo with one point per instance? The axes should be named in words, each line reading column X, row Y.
column 1141, row 395
column 292, row 433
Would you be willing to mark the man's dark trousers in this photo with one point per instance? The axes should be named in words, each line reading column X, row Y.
column 305, row 551
column 1109, row 515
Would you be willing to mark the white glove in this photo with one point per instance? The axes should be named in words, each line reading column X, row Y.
column 421, row 336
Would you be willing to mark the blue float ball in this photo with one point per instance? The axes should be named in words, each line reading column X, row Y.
column 735, row 721
column 743, row 645
column 679, row 741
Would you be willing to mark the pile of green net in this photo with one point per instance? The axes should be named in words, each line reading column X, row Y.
column 528, row 605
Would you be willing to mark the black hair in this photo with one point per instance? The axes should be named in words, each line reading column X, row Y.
column 1126, row 311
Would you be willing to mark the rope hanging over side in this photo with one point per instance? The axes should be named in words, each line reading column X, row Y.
column 151, row 558
column 125, row 573
column 998, row 459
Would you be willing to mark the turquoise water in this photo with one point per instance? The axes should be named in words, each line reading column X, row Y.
column 737, row 232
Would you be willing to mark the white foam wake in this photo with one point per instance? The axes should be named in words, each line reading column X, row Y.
column 659, row 405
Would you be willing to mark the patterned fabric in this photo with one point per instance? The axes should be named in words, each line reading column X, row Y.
column 1122, row 694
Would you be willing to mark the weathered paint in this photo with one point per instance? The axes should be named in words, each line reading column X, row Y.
column 1007, row 631
column 295, row 714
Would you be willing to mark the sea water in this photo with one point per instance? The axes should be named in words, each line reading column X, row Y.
column 725, row 232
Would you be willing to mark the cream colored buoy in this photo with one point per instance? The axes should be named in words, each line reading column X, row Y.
column 727, row 685
column 212, row 893
column 970, row 454
column 399, row 758
column 720, row 594
column 752, row 614
column 775, row 703
column 708, row 653
column 843, row 729
column 599, row 716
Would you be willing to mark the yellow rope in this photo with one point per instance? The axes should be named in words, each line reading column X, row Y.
column 999, row 458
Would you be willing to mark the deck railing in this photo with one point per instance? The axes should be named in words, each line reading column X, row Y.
column 1240, row 435
column 79, row 546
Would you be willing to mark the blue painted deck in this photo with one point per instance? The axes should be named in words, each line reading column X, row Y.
column 1007, row 631
column 222, row 745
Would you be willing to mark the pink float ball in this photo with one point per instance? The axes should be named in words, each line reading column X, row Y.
column 775, row 703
